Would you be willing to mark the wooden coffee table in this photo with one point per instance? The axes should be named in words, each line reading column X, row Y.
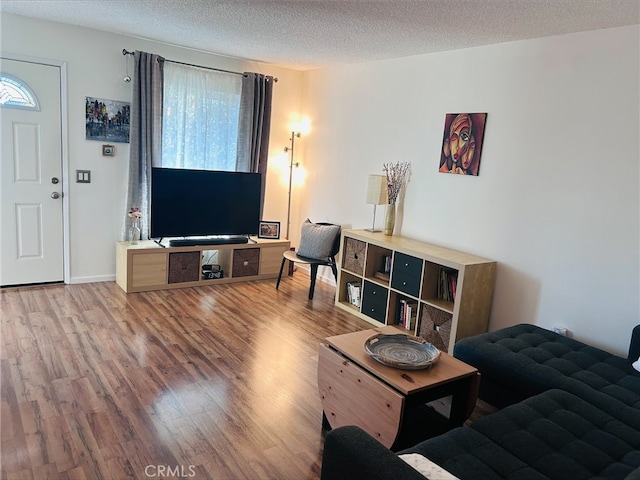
column 384, row 401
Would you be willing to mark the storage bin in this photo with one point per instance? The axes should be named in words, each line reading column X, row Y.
column 184, row 267
column 435, row 326
column 353, row 256
column 246, row 262
column 374, row 301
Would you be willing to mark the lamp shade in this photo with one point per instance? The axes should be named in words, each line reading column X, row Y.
column 377, row 190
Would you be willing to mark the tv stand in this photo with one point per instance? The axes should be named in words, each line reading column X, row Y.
column 150, row 266
column 221, row 240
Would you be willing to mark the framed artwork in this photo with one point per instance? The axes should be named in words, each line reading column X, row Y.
column 269, row 230
column 462, row 143
column 108, row 150
column 107, row 120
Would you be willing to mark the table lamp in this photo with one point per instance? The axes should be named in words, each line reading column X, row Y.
column 376, row 195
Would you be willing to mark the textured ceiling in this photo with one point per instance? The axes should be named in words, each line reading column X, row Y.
column 306, row 34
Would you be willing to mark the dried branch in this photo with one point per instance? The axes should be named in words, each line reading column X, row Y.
column 396, row 178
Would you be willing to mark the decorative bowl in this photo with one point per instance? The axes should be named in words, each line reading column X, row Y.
column 402, row 351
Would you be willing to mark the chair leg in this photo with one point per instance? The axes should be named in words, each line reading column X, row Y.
column 314, row 274
column 280, row 274
column 334, row 269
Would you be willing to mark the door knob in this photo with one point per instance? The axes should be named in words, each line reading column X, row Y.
column 55, row 195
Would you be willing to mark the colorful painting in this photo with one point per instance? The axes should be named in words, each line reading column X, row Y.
column 107, row 120
column 462, row 143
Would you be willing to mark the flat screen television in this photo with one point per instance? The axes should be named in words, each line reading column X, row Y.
column 201, row 203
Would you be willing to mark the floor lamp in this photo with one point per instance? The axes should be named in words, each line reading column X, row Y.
column 294, row 135
column 376, row 195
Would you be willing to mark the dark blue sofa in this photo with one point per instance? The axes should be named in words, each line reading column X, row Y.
column 524, row 360
column 574, row 414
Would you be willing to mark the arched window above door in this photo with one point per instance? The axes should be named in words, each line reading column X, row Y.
column 16, row 94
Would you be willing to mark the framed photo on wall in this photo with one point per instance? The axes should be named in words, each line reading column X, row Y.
column 107, row 120
column 269, row 230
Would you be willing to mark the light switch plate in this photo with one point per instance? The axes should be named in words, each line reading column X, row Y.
column 83, row 176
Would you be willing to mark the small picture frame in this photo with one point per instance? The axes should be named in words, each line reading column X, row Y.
column 269, row 230
column 108, row 150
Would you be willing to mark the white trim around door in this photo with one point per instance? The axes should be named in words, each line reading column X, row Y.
column 64, row 147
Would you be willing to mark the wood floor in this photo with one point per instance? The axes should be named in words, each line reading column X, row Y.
column 214, row 382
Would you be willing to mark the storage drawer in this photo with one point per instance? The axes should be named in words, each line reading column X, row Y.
column 409, row 284
column 270, row 259
column 353, row 255
column 374, row 301
column 246, row 262
column 184, row 267
column 407, row 265
column 148, row 270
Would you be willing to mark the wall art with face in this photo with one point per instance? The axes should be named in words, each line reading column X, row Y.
column 462, row 143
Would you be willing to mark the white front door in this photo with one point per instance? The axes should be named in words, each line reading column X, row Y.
column 31, row 212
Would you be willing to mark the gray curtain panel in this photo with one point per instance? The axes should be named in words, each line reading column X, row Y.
column 254, row 125
column 145, row 135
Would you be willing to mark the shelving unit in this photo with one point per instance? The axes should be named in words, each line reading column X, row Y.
column 147, row 266
column 452, row 290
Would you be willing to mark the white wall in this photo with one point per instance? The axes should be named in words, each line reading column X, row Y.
column 557, row 199
column 96, row 68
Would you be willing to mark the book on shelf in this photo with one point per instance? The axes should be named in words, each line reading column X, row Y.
column 354, row 291
column 411, row 313
column 382, row 276
column 386, row 267
column 400, row 311
column 407, row 313
column 447, row 283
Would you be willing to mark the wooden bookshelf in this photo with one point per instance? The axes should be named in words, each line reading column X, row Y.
column 415, row 276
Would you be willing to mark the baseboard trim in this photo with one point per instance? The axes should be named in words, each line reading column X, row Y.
column 101, row 278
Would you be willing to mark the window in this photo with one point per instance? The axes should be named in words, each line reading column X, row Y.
column 200, row 118
column 15, row 93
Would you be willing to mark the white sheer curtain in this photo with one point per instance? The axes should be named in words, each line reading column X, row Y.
column 200, row 120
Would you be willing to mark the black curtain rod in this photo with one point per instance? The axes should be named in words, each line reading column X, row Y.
column 126, row 52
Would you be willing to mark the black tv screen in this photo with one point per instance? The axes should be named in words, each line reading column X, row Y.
column 190, row 203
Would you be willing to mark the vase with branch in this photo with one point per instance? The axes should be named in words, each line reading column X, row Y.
column 134, row 233
column 396, row 178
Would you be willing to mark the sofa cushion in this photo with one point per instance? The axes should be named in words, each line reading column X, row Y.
column 634, row 345
column 564, row 436
column 635, row 475
column 468, row 454
column 553, row 435
column 317, row 240
column 527, row 360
